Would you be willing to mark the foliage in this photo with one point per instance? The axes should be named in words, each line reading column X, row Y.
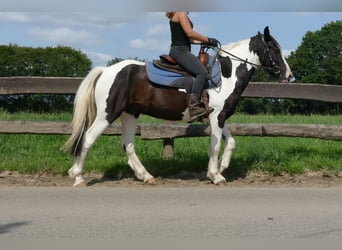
column 51, row 61
column 114, row 61
column 119, row 59
column 59, row 61
column 319, row 58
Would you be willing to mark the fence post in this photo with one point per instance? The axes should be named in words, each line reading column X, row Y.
column 168, row 146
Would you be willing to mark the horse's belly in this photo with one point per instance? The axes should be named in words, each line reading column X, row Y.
column 168, row 104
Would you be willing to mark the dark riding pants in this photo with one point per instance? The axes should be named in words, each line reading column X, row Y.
column 190, row 63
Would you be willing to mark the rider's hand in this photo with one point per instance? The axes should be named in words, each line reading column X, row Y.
column 213, row 42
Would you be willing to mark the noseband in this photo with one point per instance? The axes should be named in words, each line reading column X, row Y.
column 274, row 68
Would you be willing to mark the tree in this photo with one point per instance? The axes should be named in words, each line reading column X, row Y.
column 319, row 57
column 114, row 61
column 318, row 60
column 119, row 59
column 57, row 61
column 50, row 61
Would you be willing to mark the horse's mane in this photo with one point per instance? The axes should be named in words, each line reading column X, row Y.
column 231, row 46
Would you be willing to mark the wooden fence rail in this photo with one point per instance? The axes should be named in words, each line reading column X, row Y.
column 149, row 131
column 167, row 132
column 69, row 85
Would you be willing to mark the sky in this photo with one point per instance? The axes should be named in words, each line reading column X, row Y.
column 103, row 30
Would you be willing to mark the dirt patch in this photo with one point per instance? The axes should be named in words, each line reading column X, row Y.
column 258, row 179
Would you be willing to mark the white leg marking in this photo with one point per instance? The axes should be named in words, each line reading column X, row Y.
column 228, row 149
column 215, row 143
column 129, row 123
column 95, row 130
column 135, row 164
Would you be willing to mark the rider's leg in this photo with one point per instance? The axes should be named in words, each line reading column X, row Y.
column 191, row 63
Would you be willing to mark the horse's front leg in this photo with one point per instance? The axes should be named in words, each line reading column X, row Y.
column 215, row 142
column 228, row 149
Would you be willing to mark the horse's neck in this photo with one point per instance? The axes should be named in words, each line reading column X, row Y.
column 241, row 50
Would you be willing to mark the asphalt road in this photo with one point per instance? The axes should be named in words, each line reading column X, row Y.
column 154, row 213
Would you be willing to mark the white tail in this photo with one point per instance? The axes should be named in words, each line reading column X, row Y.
column 84, row 110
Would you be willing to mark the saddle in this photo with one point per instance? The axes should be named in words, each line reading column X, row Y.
column 168, row 63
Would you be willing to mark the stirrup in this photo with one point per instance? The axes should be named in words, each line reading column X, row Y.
column 197, row 117
column 209, row 111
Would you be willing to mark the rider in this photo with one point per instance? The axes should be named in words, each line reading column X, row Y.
column 182, row 36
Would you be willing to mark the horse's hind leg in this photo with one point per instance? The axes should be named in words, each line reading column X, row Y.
column 228, row 149
column 95, row 130
column 129, row 124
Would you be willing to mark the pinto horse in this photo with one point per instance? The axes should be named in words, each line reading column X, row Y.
column 124, row 91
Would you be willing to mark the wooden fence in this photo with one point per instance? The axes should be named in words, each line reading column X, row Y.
column 167, row 132
column 68, row 85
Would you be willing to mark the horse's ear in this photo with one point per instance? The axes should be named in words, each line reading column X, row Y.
column 267, row 36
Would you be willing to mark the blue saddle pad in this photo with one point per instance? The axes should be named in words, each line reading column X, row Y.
column 172, row 79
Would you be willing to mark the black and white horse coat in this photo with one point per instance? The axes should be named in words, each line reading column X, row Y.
column 123, row 91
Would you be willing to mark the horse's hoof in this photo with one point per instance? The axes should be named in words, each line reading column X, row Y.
column 151, row 182
column 80, row 185
column 79, row 182
column 221, row 183
column 217, row 179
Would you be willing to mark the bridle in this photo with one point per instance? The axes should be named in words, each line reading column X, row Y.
column 274, row 68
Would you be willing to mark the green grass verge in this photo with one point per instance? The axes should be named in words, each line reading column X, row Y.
column 36, row 154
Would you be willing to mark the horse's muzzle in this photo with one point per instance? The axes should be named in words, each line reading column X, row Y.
column 288, row 79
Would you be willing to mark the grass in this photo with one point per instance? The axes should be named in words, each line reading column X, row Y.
column 36, row 154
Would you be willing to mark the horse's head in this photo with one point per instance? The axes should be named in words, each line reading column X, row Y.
column 271, row 56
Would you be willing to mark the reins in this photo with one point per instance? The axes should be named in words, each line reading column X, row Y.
column 237, row 58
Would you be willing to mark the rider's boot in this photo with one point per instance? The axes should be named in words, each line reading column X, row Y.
column 205, row 103
column 196, row 110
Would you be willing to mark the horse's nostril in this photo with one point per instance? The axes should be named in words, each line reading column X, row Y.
column 291, row 78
